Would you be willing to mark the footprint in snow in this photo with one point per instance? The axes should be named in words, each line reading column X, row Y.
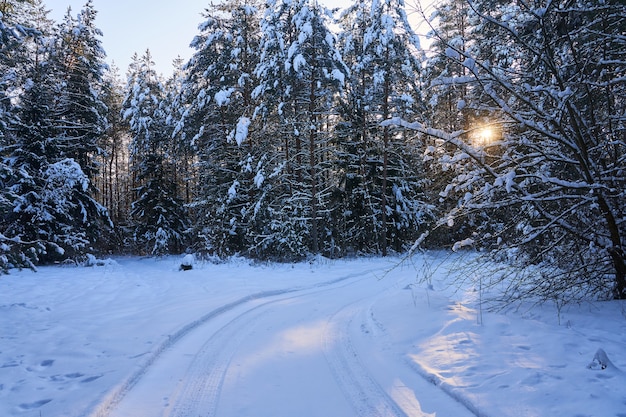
column 36, row 404
column 10, row 365
column 63, row 378
column 90, row 379
column 46, row 363
column 41, row 366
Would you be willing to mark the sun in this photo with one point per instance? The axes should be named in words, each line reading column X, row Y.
column 484, row 135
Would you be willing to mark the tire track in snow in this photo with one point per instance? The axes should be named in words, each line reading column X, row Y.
column 365, row 395
column 204, row 379
column 370, row 323
column 114, row 398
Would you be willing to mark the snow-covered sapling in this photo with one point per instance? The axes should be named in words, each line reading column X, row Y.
column 601, row 361
column 187, row 263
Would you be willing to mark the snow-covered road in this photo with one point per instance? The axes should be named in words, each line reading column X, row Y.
column 367, row 337
column 313, row 351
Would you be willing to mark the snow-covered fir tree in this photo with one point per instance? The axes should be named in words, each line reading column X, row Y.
column 301, row 74
column 79, row 61
column 80, row 113
column 217, row 104
column 382, row 177
column 451, row 93
column 180, row 151
column 53, row 212
column 14, row 34
column 158, row 215
column 447, row 81
column 39, row 213
column 24, row 25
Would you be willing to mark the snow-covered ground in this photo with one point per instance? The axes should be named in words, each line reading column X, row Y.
column 139, row 338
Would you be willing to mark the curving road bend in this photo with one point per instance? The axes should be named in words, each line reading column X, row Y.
column 306, row 352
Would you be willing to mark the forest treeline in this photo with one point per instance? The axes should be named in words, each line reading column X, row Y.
column 295, row 131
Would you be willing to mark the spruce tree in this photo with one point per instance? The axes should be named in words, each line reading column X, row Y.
column 79, row 63
column 80, row 113
column 382, row 178
column 301, row 74
column 15, row 33
column 217, row 103
column 157, row 212
column 46, row 183
column 52, row 210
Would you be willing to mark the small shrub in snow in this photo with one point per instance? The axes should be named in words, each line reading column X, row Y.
column 92, row 260
column 601, row 361
column 187, row 263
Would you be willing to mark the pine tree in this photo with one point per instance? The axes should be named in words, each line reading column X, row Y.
column 114, row 179
column 447, row 80
column 157, row 211
column 450, row 91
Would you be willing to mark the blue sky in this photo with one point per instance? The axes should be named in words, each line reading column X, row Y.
column 165, row 27
column 129, row 26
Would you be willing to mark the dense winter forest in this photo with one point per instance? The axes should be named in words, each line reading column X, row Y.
column 295, row 131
